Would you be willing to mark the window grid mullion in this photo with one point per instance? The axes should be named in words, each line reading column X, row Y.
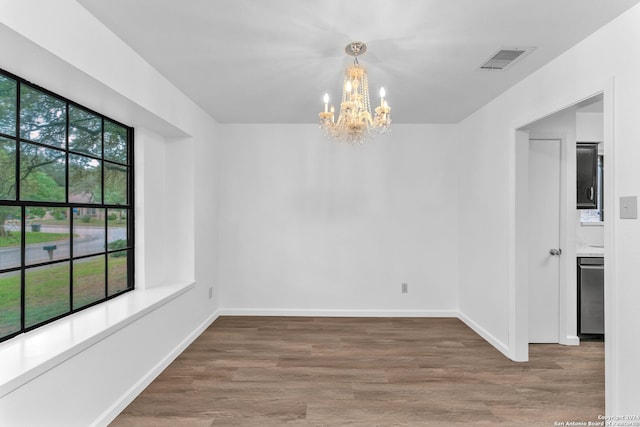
column 23, row 257
column 17, row 140
column 23, row 216
column 106, row 216
column 67, row 195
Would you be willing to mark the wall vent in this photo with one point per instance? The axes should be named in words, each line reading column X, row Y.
column 504, row 58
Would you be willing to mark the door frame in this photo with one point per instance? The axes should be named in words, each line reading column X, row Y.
column 518, row 295
column 567, row 295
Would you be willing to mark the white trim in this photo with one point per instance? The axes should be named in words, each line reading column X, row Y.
column 611, row 365
column 31, row 354
column 592, row 224
column 499, row 345
column 118, row 406
column 518, row 329
column 335, row 313
column 571, row 340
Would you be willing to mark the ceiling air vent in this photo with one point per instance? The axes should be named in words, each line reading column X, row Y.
column 504, row 58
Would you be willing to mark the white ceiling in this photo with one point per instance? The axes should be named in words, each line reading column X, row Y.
column 259, row 61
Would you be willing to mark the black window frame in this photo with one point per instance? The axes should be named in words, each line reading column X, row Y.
column 109, row 251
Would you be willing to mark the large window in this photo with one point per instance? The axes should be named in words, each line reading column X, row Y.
column 66, row 207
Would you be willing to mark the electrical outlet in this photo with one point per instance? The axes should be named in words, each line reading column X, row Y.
column 210, row 293
column 405, row 288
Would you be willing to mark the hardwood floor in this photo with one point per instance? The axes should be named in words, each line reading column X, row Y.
column 273, row 371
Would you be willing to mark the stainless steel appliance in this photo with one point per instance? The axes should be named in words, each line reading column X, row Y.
column 591, row 297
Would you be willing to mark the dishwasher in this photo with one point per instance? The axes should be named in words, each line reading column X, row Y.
column 591, row 298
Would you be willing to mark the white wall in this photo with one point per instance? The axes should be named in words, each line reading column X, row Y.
column 206, row 182
column 589, row 127
column 175, row 218
column 152, row 266
column 488, row 293
column 309, row 225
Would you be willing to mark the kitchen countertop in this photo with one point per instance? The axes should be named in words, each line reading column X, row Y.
column 589, row 251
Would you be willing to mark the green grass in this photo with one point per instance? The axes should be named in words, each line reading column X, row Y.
column 93, row 222
column 46, row 293
column 47, row 290
column 13, row 239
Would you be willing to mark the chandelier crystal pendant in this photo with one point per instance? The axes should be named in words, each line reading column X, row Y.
column 355, row 122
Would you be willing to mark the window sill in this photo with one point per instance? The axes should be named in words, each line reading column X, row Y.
column 592, row 224
column 31, row 354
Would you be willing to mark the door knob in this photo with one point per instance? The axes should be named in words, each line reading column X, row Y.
column 555, row 251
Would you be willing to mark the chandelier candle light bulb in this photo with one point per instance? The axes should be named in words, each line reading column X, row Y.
column 355, row 122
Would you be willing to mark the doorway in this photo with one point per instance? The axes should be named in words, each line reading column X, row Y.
column 558, row 125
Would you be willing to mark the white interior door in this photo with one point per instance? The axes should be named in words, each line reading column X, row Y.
column 544, row 239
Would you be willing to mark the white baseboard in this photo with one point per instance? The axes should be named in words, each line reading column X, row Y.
column 112, row 412
column 571, row 340
column 499, row 345
column 336, row 313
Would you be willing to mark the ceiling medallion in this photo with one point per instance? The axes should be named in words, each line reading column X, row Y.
column 355, row 123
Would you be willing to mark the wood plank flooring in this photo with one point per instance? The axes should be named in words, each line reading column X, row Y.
column 304, row 371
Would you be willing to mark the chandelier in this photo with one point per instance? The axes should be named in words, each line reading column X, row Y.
column 355, row 123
